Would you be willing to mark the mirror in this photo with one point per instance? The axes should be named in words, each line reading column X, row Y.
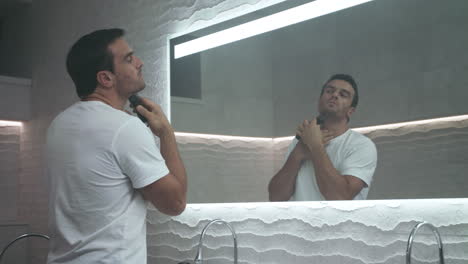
column 410, row 62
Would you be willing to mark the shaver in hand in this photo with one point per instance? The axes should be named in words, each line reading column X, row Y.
column 135, row 101
column 319, row 122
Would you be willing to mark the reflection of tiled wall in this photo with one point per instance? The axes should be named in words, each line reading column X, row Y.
column 422, row 163
column 373, row 232
column 417, row 161
column 226, row 170
column 9, row 168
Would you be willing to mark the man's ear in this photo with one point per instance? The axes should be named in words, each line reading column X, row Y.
column 105, row 79
column 351, row 110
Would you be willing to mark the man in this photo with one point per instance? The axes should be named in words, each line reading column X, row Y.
column 330, row 161
column 104, row 163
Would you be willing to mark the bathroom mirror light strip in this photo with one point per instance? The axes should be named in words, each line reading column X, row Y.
column 265, row 24
column 429, row 122
column 347, row 204
column 10, row 123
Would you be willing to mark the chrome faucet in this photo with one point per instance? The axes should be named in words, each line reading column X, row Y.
column 19, row 238
column 411, row 237
column 199, row 258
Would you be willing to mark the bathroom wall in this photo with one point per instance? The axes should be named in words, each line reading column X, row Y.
column 15, row 103
column 398, row 52
column 18, row 252
column 225, row 169
column 427, row 161
column 16, row 45
column 236, row 90
column 9, row 169
column 372, row 232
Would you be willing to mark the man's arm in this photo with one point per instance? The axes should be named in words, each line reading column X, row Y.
column 281, row 186
column 167, row 194
column 332, row 184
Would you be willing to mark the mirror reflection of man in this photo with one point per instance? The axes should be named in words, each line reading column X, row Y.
column 330, row 161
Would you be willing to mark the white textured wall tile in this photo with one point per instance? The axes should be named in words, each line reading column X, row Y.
column 226, row 170
column 9, row 168
column 314, row 232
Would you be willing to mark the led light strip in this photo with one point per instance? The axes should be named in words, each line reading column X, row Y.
column 221, row 137
column 10, row 123
column 265, row 24
column 369, row 129
column 363, row 130
column 348, row 205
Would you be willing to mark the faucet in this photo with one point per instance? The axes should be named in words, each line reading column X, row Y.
column 199, row 258
column 19, row 238
column 413, row 233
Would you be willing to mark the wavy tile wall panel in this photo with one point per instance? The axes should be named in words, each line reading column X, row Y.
column 370, row 232
column 414, row 161
column 226, row 170
column 430, row 164
column 9, row 168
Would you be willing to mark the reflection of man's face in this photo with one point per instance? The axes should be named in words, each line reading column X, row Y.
column 127, row 68
column 336, row 99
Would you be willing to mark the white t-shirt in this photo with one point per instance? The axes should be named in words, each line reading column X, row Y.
column 351, row 153
column 96, row 157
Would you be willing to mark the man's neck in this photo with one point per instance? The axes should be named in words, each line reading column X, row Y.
column 336, row 126
column 110, row 99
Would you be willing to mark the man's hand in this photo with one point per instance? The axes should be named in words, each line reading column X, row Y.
column 157, row 120
column 312, row 136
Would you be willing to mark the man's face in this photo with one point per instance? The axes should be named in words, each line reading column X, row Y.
column 336, row 99
column 127, row 68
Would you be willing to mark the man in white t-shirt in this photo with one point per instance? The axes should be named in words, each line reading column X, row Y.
column 328, row 161
column 104, row 163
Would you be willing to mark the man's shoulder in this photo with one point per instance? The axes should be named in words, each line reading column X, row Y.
column 361, row 140
column 94, row 116
column 359, row 136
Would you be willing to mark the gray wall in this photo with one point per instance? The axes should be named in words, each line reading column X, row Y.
column 16, row 42
column 408, row 58
column 237, row 95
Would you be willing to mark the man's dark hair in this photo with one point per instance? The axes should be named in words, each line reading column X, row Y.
column 88, row 56
column 349, row 79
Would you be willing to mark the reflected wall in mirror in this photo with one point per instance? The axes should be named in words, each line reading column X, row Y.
column 410, row 63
